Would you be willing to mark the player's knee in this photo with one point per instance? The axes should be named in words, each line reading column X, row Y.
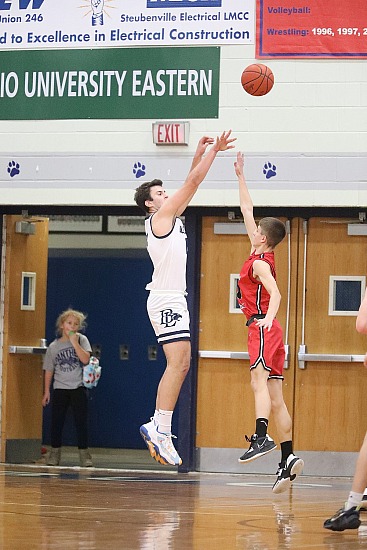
column 259, row 378
column 186, row 366
column 254, row 384
column 181, row 366
column 257, row 384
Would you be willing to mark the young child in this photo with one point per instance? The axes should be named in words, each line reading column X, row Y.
column 63, row 362
column 259, row 299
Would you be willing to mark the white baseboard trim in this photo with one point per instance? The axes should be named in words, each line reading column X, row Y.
column 317, row 463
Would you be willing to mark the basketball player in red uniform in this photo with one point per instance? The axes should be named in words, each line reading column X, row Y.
column 259, row 299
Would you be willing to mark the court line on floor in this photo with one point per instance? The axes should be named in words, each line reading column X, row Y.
column 262, row 484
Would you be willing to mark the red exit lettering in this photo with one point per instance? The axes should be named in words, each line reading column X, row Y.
column 168, row 133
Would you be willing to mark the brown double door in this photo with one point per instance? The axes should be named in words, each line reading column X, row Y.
column 23, row 300
column 325, row 383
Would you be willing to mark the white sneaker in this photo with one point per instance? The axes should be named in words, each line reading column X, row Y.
column 287, row 473
column 159, row 445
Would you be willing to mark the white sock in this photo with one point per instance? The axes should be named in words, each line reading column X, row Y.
column 164, row 421
column 353, row 500
column 155, row 417
column 365, row 492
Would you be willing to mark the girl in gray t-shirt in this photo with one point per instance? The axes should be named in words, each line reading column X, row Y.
column 63, row 362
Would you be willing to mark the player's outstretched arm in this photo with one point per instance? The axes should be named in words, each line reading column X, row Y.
column 246, row 205
column 177, row 203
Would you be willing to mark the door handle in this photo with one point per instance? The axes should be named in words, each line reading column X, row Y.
column 214, row 354
column 303, row 357
column 36, row 350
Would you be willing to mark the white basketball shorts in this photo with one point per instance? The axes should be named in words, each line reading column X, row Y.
column 169, row 316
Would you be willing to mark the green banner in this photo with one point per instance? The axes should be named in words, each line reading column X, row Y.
column 115, row 83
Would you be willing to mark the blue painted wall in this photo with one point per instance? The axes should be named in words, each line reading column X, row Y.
column 112, row 292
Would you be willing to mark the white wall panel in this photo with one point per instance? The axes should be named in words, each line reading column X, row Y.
column 313, row 124
column 297, row 179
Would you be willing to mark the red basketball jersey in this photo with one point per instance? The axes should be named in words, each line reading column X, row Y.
column 253, row 298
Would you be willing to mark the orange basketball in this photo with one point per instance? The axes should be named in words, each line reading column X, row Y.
column 257, row 79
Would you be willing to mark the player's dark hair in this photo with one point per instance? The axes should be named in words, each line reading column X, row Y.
column 142, row 193
column 273, row 229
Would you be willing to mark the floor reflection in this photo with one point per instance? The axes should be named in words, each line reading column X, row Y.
column 54, row 508
column 159, row 530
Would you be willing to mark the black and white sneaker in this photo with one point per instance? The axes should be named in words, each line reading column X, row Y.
column 287, row 472
column 344, row 519
column 259, row 446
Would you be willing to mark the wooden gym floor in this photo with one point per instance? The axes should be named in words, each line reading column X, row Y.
column 72, row 508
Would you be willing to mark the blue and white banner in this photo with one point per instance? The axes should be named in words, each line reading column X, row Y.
column 41, row 24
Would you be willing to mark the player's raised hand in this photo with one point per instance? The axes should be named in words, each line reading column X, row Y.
column 203, row 144
column 223, row 143
column 239, row 164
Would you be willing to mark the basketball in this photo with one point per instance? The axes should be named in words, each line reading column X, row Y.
column 257, row 79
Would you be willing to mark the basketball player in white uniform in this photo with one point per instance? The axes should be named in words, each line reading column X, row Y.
column 167, row 307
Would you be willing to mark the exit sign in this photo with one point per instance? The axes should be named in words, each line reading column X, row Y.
column 170, row 133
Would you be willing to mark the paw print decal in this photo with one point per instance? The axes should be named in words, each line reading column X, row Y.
column 139, row 170
column 13, row 168
column 270, row 170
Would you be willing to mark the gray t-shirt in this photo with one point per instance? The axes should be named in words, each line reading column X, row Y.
column 62, row 360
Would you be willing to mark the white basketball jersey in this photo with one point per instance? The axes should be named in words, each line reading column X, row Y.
column 169, row 255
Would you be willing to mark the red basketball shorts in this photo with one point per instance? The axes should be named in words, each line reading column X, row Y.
column 266, row 348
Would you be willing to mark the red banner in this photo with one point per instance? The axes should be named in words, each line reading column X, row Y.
column 311, row 29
